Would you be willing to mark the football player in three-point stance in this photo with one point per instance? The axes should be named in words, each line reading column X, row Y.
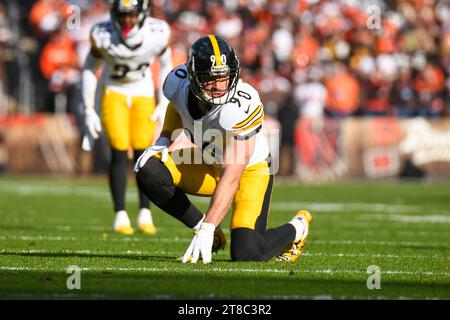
column 127, row 43
column 207, row 92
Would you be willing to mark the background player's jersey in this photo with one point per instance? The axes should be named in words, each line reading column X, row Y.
column 241, row 117
column 126, row 70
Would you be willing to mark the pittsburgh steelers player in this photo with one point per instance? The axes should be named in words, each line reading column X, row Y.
column 206, row 92
column 127, row 45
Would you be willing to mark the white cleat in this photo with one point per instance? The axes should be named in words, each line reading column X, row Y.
column 122, row 223
column 145, row 222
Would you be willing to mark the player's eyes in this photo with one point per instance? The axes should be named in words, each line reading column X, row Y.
column 209, row 81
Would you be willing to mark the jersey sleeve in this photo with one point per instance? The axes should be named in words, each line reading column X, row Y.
column 243, row 118
column 97, row 39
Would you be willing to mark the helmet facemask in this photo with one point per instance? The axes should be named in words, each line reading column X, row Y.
column 216, row 87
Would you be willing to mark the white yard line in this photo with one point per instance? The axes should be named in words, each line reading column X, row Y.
column 82, row 228
column 176, row 239
column 415, row 233
column 56, row 190
column 431, row 218
column 175, row 253
column 89, row 252
column 343, row 207
column 99, row 238
column 383, row 243
column 363, row 255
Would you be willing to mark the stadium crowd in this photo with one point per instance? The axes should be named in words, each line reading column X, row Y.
column 306, row 57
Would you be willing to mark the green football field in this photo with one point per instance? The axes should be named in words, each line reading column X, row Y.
column 401, row 229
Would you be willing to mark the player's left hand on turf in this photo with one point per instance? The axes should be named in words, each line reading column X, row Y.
column 160, row 112
column 201, row 244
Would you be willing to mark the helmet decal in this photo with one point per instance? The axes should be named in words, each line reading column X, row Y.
column 219, row 60
column 216, row 50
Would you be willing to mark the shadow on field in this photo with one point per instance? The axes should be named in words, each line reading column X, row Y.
column 195, row 282
column 88, row 255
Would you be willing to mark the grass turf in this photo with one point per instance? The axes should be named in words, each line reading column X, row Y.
column 47, row 225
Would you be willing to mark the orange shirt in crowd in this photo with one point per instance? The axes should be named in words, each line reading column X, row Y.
column 58, row 53
column 343, row 93
column 305, row 52
column 43, row 8
column 431, row 79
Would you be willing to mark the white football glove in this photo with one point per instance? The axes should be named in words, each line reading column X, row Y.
column 88, row 142
column 160, row 112
column 201, row 244
column 161, row 146
column 93, row 126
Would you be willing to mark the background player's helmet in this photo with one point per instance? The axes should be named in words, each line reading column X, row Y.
column 119, row 8
column 212, row 57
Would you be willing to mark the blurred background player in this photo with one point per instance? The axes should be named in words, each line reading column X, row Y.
column 208, row 90
column 127, row 43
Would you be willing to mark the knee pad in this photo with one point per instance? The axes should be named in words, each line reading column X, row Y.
column 155, row 181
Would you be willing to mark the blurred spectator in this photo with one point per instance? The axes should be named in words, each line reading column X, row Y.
column 274, row 89
column 306, row 49
column 47, row 16
column 377, row 86
column 283, row 40
column 287, row 115
column 343, row 92
column 429, row 85
column 59, row 65
column 311, row 95
column 403, row 97
column 7, row 63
